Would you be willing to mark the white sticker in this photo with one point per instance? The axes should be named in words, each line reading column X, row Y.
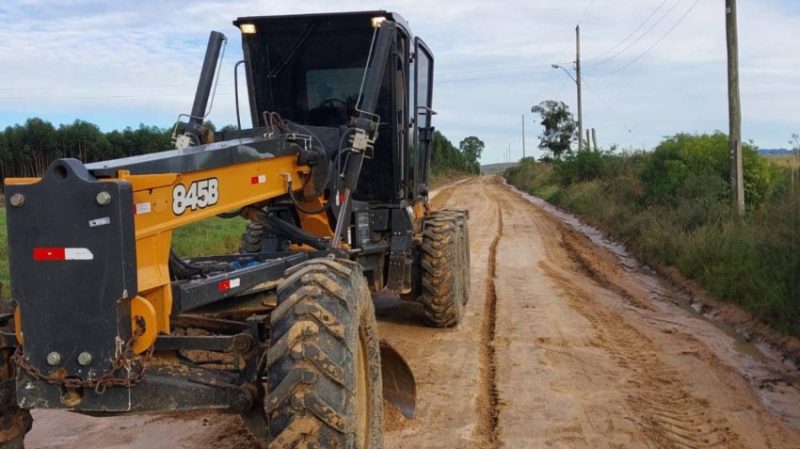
column 99, row 222
column 235, row 282
column 143, row 208
column 78, row 254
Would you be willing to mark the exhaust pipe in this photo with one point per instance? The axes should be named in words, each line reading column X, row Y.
column 207, row 74
column 193, row 132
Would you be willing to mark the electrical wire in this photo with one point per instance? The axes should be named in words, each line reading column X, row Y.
column 637, row 40
column 632, row 33
column 655, row 44
column 585, row 11
column 611, row 108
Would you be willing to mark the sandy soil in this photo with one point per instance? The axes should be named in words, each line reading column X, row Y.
column 567, row 343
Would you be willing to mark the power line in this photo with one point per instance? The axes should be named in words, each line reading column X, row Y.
column 585, row 11
column 495, row 69
column 638, row 39
column 632, row 33
column 612, row 109
column 655, row 44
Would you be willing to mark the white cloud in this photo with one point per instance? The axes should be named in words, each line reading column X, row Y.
column 492, row 60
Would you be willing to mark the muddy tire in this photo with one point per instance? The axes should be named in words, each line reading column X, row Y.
column 14, row 422
column 323, row 366
column 251, row 238
column 444, row 267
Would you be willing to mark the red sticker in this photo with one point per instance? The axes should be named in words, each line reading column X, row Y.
column 43, row 254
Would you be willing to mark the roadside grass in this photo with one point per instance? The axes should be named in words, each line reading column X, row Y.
column 671, row 208
column 208, row 237
column 786, row 161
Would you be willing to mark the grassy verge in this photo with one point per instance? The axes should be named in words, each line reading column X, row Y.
column 671, row 208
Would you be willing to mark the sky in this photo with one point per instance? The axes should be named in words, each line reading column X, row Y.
column 652, row 68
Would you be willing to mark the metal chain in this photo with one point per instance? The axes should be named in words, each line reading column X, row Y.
column 124, row 360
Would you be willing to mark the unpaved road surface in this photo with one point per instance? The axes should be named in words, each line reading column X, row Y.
column 567, row 343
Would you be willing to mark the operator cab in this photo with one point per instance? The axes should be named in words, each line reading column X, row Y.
column 310, row 68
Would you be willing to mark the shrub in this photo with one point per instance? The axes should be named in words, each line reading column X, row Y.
column 672, row 206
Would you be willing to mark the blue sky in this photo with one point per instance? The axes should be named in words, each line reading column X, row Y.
column 121, row 63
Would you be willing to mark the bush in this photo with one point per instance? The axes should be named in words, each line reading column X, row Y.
column 665, row 173
column 672, row 207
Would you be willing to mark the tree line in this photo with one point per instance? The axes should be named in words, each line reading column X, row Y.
column 27, row 149
column 446, row 157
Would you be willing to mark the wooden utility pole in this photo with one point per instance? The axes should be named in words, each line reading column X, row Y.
column 523, row 136
column 578, row 82
column 735, row 109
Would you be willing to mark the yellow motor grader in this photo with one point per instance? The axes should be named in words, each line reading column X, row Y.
column 333, row 176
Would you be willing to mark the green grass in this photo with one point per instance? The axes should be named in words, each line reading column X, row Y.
column 208, row 237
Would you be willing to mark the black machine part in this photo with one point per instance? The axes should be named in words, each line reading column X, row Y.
column 366, row 124
column 51, row 263
column 204, row 86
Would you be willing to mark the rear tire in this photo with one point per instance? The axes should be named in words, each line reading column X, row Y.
column 323, row 367
column 445, row 267
column 252, row 237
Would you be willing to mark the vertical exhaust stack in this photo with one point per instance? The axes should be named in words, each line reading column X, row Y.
column 194, row 131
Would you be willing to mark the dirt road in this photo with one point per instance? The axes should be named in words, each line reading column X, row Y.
column 567, row 343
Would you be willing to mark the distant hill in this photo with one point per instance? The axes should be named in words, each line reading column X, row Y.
column 775, row 152
column 491, row 169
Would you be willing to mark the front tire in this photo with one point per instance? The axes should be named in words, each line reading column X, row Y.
column 445, row 267
column 323, row 366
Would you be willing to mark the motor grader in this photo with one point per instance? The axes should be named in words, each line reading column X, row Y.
column 333, row 176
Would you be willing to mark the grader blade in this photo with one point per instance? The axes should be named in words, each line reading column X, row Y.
column 399, row 386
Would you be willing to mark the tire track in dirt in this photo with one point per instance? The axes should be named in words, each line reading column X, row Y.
column 668, row 414
column 488, row 395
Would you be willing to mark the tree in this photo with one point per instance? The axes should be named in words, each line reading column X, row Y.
column 445, row 157
column 559, row 127
column 471, row 148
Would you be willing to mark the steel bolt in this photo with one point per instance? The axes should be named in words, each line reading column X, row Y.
column 17, row 200
column 53, row 359
column 103, row 198
column 84, row 359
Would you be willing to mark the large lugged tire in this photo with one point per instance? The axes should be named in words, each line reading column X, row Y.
column 445, row 267
column 251, row 239
column 323, row 366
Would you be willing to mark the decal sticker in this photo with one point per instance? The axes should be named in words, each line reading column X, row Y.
column 228, row 284
column 56, row 254
column 143, row 208
column 99, row 222
column 198, row 195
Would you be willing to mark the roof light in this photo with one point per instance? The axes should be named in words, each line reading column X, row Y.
column 377, row 21
column 248, row 28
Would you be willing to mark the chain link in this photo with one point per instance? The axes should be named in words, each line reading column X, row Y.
column 124, row 360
